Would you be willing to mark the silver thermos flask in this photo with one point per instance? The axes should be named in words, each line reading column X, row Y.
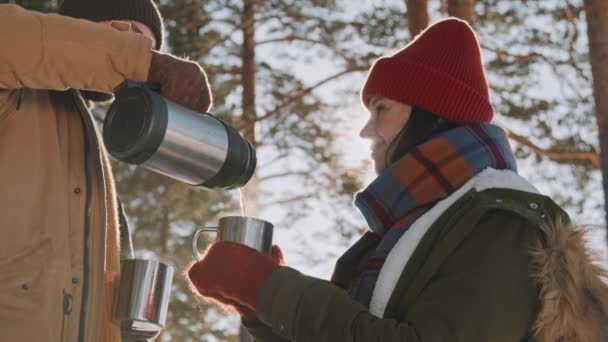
column 143, row 128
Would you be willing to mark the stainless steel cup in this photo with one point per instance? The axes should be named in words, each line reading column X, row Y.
column 248, row 231
column 143, row 296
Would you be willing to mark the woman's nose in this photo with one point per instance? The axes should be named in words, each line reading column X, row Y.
column 367, row 131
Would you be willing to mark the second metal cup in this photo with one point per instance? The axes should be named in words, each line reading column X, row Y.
column 143, row 296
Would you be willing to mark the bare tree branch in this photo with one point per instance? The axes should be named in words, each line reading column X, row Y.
column 272, row 161
column 302, row 17
column 301, row 94
column 290, row 200
column 503, row 54
column 592, row 157
column 575, row 35
column 284, row 174
column 551, row 62
column 293, row 38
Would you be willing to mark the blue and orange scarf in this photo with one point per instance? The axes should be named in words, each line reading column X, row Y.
column 406, row 190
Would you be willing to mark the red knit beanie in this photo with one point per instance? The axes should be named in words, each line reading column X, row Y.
column 440, row 71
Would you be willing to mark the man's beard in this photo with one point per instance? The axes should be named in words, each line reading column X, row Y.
column 96, row 96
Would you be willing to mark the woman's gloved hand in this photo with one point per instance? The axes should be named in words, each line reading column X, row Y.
column 233, row 274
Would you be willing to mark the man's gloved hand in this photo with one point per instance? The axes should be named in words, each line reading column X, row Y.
column 233, row 274
column 183, row 82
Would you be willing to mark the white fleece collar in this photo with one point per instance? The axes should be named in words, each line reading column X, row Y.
column 402, row 251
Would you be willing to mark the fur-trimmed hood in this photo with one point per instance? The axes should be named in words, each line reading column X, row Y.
column 573, row 287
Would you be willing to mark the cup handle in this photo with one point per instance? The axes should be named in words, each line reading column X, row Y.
column 195, row 251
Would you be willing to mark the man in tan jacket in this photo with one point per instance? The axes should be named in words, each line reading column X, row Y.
column 59, row 251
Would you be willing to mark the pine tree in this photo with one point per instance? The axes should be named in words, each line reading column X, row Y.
column 540, row 78
column 250, row 50
column 537, row 67
column 257, row 90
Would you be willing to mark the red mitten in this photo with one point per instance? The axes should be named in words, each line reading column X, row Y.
column 233, row 274
column 243, row 311
column 248, row 315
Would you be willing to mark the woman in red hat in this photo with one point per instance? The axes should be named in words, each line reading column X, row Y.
column 460, row 247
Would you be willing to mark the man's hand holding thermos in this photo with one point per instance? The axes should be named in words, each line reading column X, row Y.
column 182, row 81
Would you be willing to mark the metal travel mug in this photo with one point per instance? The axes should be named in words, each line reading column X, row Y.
column 143, row 297
column 248, row 231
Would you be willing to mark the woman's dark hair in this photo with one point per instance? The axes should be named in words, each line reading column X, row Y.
column 419, row 128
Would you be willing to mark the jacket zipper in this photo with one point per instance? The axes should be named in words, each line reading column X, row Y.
column 87, row 244
column 89, row 137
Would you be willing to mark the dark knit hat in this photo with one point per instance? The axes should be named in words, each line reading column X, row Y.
column 440, row 70
column 143, row 11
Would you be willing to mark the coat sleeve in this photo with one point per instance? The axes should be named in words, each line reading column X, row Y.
column 262, row 333
column 49, row 51
column 482, row 292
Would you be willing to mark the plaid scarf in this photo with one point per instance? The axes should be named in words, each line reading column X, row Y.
column 406, row 190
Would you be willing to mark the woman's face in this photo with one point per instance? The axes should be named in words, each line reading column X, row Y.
column 386, row 119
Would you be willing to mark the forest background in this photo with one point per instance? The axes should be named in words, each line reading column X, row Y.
column 287, row 73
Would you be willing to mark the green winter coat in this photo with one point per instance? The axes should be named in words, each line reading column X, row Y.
column 497, row 264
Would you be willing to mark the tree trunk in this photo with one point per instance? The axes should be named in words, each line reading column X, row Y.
column 463, row 9
column 417, row 16
column 249, row 118
column 249, row 112
column 248, row 71
column 250, row 192
column 597, row 31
